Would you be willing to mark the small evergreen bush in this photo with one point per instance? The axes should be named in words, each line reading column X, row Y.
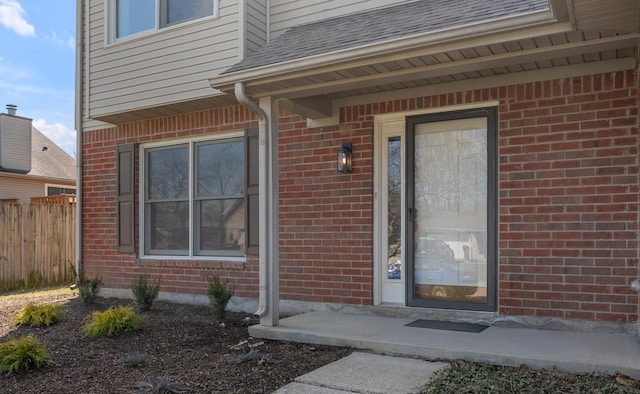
column 22, row 354
column 219, row 295
column 145, row 292
column 38, row 316
column 88, row 288
column 111, row 322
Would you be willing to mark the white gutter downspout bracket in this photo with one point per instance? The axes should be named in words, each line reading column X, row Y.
column 268, row 301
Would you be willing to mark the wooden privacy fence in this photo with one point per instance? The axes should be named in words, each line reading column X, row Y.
column 37, row 245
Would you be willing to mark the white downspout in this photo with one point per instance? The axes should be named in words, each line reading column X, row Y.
column 267, row 301
column 78, row 121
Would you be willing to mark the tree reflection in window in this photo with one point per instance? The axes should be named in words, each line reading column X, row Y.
column 394, row 209
column 454, row 177
column 167, row 208
column 220, row 196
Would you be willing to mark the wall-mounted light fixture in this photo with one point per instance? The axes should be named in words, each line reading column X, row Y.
column 345, row 154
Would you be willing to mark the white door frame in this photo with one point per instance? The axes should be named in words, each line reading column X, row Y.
column 386, row 291
column 385, row 126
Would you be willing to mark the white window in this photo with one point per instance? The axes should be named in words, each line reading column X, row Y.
column 131, row 18
column 55, row 190
column 194, row 198
column 134, row 16
column 173, row 12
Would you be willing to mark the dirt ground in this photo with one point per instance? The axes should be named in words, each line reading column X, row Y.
column 181, row 344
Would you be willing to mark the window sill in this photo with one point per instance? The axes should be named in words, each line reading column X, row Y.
column 229, row 259
column 143, row 35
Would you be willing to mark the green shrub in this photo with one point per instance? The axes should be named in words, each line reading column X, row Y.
column 219, row 295
column 38, row 316
column 88, row 288
column 145, row 292
column 111, row 322
column 22, row 354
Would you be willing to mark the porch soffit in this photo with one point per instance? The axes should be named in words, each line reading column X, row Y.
column 546, row 46
column 175, row 108
column 435, row 67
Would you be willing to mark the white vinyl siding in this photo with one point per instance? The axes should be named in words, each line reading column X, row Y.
column 288, row 13
column 256, row 33
column 23, row 188
column 15, row 143
column 169, row 66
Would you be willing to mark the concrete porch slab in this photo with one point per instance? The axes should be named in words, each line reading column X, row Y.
column 567, row 350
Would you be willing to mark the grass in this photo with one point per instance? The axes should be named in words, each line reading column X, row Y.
column 47, row 293
column 474, row 378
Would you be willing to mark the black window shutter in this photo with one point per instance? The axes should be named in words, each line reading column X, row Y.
column 251, row 190
column 125, row 194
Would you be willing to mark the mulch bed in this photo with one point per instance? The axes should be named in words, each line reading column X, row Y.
column 179, row 343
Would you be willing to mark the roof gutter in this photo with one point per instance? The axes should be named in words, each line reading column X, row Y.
column 483, row 33
column 263, row 270
column 78, row 120
column 18, row 174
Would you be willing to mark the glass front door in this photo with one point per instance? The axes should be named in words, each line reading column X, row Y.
column 450, row 223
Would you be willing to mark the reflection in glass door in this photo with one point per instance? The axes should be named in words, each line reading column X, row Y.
column 450, row 255
column 394, row 209
column 390, row 203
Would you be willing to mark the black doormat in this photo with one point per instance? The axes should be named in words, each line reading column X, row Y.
column 447, row 325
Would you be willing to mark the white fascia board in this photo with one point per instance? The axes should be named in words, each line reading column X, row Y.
column 482, row 33
column 43, row 178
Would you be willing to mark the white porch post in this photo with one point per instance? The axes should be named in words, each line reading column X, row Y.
column 268, row 201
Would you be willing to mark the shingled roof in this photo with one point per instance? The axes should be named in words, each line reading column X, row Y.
column 52, row 162
column 384, row 24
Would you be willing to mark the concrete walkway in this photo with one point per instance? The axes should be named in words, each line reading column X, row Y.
column 567, row 350
column 366, row 373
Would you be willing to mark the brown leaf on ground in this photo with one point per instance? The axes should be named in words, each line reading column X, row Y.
column 627, row 381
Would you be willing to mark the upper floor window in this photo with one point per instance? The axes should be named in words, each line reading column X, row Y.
column 173, row 12
column 132, row 17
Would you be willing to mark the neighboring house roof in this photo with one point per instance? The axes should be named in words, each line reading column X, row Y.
column 350, row 31
column 52, row 162
column 48, row 161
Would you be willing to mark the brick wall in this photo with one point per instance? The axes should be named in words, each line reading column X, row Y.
column 326, row 218
column 100, row 255
column 568, row 200
column 568, row 192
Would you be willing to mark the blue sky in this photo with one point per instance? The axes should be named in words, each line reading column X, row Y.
column 37, row 65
